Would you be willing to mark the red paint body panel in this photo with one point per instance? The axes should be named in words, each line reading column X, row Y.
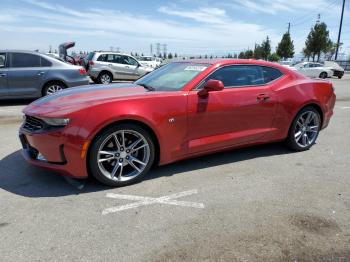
column 225, row 119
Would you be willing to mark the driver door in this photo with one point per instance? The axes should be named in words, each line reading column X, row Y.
column 241, row 113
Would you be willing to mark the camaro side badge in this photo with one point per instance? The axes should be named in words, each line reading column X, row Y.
column 171, row 120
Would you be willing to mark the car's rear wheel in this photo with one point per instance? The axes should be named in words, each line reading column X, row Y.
column 53, row 87
column 105, row 78
column 323, row 75
column 304, row 129
column 121, row 155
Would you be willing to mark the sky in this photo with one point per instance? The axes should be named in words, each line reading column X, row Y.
column 187, row 27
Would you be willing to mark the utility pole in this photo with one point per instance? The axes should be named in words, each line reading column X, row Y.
column 340, row 27
column 288, row 28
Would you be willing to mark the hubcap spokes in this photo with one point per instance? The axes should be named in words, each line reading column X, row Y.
column 123, row 155
column 105, row 79
column 53, row 89
column 306, row 129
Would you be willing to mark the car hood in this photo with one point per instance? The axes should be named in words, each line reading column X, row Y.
column 81, row 97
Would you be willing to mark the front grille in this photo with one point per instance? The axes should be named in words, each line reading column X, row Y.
column 33, row 124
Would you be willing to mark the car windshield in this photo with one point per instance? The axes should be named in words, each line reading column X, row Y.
column 172, row 77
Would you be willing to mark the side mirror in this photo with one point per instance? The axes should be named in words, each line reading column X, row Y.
column 210, row 86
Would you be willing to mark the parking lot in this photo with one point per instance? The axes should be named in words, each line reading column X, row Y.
column 261, row 203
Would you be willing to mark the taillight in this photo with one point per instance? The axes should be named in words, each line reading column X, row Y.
column 91, row 62
column 82, row 71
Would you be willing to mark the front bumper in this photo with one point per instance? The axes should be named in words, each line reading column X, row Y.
column 338, row 73
column 54, row 151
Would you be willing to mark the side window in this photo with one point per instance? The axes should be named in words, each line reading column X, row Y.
column 239, row 76
column 2, row 60
column 270, row 74
column 44, row 62
column 130, row 61
column 307, row 65
column 102, row 58
column 25, row 60
column 118, row 59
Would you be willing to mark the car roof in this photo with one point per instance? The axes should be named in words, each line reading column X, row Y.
column 223, row 61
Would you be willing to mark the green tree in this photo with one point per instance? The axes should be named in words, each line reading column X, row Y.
column 317, row 41
column 266, row 48
column 241, row 55
column 170, row 56
column 175, row 55
column 206, row 56
column 274, row 57
column 257, row 52
column 249, row 54
column 285, row 48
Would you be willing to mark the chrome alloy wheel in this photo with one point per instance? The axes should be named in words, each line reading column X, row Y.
column 307, row 128
column 105, row 79
column 53, row 89
column 123, row 155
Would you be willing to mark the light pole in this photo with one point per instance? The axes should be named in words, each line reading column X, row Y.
column 339, row 33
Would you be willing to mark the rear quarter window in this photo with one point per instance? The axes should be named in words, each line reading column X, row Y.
column 25, row 60
column 270, row 74
column 44, row 62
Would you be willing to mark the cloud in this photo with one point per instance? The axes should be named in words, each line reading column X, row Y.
column 210, row 31
column 202, row 14
column 278, row 6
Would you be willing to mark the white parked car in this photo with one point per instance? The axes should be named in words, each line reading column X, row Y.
column 286, row 63
column 314, row 70
column 338, row 71
column 150, row 61
column 104, row 67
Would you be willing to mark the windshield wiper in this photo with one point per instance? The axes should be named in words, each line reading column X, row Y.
column 147, row 87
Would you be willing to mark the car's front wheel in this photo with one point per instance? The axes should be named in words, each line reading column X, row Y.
column 304, row 129
column 121, row 155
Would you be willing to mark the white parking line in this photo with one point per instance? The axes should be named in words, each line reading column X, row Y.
column 144, row 201
column 343, row 107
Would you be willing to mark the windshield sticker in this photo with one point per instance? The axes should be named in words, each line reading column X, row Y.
column 195, row 68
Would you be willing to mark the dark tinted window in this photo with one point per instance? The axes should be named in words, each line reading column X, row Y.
column 45, row 62
column 2, row 60
column 102, row 58
column 240, row 75
column 270, row 74
column 25, row 60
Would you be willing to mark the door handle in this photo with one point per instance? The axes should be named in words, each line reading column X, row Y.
column 2, row 75
column 127, row 67
column 110, row 64
column 262, row 97
column 41, row 73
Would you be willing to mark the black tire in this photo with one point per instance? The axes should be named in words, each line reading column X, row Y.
column 291, row 139
column 339, row 77
column 105, row 78
column 94, row 80
column 51, row 86
column 323, row 75
column 93, row 164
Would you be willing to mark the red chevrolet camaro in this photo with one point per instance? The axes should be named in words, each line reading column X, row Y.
column 181, row 110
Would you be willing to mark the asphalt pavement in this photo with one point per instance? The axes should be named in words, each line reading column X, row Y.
column 261, row 203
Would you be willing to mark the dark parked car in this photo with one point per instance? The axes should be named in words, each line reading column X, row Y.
column 26, row 74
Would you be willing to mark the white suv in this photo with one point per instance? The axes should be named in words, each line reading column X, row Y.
column 104, row 67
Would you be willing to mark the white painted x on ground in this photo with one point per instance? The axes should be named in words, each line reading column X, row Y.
column 144, row 201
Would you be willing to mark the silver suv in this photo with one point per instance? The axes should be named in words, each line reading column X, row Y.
column 104, row 67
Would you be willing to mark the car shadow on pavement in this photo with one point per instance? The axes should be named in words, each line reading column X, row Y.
column 18, row 177
column 15, row 102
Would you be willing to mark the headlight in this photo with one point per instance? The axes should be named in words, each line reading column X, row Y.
column 56, row 121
